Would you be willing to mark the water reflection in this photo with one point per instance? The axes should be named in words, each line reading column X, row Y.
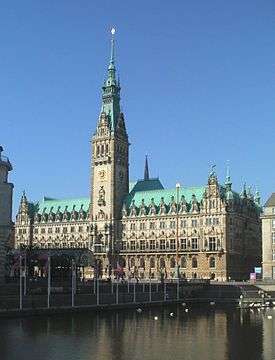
column 200, row 334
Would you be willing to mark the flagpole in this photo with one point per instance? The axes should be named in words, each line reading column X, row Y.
column 49, row 280
column 150, row 289
column 72, row 283
column 20, row 283
column 25, row 274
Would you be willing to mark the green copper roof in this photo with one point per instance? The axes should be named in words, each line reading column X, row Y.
column 46, row 205
column 145, row 185
column 166, row 194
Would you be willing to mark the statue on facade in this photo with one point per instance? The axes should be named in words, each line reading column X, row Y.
column 101, row 196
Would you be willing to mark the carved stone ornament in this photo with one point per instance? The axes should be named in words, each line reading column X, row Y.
column 101, row 196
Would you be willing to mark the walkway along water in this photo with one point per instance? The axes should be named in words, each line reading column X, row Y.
column 16, row 300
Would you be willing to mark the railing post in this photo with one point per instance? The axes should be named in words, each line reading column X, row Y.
column 97, row 290
column 25, row 274
column 117, row 292
column 49, row 281
column 73, row 271
column 20, row 285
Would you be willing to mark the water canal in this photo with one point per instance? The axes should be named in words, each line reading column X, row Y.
column 208, row 334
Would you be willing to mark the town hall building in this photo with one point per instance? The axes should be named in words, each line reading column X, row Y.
column 209, row 231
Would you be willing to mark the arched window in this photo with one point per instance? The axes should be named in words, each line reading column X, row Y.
column 212, row 262
column 152, row 262
column 132, row 262
column 142, row 263
column 162, row 263
column 194, row 262
column 102, row 149
column 122, row 262
column 107, row 148
column 183, row 262
column 97, row 150
column 172, row 263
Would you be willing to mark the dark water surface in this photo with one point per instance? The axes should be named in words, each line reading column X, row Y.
column 200, row 334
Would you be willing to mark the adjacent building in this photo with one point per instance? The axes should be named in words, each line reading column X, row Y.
column 6, row 224
column 268, row 238
column 209, row 231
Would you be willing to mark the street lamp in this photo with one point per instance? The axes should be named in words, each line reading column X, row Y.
column 177, row 230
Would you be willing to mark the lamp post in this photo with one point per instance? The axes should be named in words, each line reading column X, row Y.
column 177, row 230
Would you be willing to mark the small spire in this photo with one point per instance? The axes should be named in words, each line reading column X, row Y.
column 112, row 57
column 146, row 169
column 257, row 197
column 244, row 193
column 228, row 177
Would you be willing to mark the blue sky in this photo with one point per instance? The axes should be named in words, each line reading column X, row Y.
column 197, row 88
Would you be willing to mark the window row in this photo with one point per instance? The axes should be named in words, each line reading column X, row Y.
column 212, row 244
column 183, row 263
column 58, row 230
column 64, row 245
column 152, row 225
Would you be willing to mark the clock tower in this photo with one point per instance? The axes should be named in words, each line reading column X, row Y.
column 110, row 170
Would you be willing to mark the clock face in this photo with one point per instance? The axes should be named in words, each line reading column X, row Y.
column 102, row 174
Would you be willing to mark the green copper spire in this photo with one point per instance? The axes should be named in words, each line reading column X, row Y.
column 111, row 90
column 228, row 182
column 257, row 197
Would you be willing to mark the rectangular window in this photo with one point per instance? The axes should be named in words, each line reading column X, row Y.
column 24, row 231
column 162, row 224
column 208, row 221
column 152, row 244
column 36, row 231
column 273, row 224
column 273, row 210
column 172, row 224
column 42, row 231
column 57, row 230
column 80, row 228
column 72, row 229
column 183, row 244
column 123, row 226
column 273, row 238
column 142, row 226
column 194, row 223
column 172, row 244
column 183, row 223
column 50, row 230
column 162, row 244
column 142, row 244
column 64, row 230
column 212, row 244
column 194, row 243
column 133, row 226
column 152, row 225
column 124, row 245
column 273, row 254
column 132, row 245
